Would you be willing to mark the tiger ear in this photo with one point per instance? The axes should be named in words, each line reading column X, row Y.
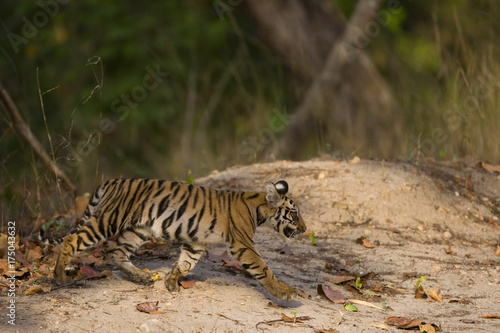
column 274, row 195
column 281, row 187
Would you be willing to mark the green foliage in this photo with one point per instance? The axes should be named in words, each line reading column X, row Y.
column 358, row 283
column 58, row 225
column 351, row 307
column 189, row 178
column 420, row 280
column 312, row 238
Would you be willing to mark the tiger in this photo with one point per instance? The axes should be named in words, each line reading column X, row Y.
column 130, row 211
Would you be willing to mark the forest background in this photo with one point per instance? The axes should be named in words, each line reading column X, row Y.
column 176, row 89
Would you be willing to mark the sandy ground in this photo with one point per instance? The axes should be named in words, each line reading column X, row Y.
column 411, row 215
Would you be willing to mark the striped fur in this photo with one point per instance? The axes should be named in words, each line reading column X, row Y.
column 131, row 210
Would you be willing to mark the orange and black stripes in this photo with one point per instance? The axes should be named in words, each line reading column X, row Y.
column 132, row 210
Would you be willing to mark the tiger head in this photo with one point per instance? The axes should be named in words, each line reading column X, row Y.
column 285, row 217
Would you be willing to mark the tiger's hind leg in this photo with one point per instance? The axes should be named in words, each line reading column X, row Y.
column 190, row 254
column 125, row 245
column 81, row 239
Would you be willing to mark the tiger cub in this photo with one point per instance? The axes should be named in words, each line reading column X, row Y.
column 132, row 210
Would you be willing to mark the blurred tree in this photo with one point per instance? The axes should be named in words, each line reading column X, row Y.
column 347, row 97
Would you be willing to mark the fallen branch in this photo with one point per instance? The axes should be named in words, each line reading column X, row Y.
column 21, row 127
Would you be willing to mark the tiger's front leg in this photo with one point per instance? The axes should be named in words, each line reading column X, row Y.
column 68, row 249
column 251, row 260
column 190, row 254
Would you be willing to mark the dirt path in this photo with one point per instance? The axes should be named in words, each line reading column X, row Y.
column 411, row 216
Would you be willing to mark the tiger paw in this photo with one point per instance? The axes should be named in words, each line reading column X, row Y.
column 143, row 276
column 172, row 283
column 283, row 291
column 62, row 278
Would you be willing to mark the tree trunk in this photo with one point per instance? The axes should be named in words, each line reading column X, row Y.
column 348, row 105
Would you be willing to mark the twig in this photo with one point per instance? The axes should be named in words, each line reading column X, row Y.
column 19, row 124
column 226, row 317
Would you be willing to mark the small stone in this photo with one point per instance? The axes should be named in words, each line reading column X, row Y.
column 355, row 160
column 367, row 232
column 148, row 328
column 447, row 235
column 322, row 175
column 420, row 227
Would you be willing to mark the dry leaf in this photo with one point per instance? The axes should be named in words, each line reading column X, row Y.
column 107, row 273
column 442, row 209
column 294, row 320
column 398, row 321
column 333, row 295
column 327, row 330
column 449, row 251
column 349, row 262
column 381, row 326
column 147, row 307
column 92, row 260
column 356, row 301
column 491, row 316
column 420, row 293
column 427, row 328
column 489, row 167
column 403, row 322
column 287, row 319
column 20, row 258
column 187, row 283
column 33, row 290
column 497, row 252
column 155, row 277
column 434, row 295
column 3, row 244
column 89, row 273
column 339, row 279
column 304, row 294
column 365, row 242
column 4, row 266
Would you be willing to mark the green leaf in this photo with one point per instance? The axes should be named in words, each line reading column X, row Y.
column 351, row 307
column 358, row 283
column 312, row 238
column 47, row 225
column 189, row 178
column 420, row 280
